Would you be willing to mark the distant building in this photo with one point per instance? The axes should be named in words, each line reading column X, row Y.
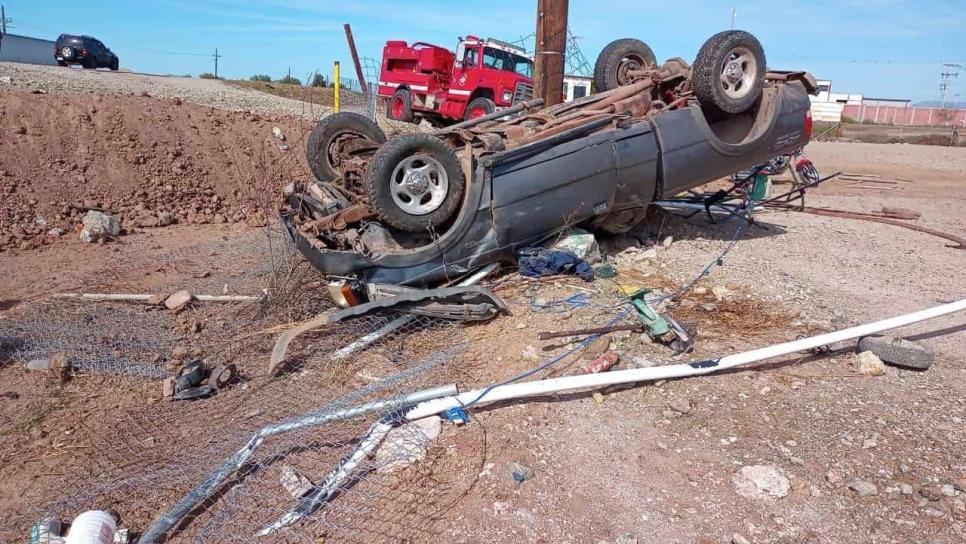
column 827, row 106
column 576, row 87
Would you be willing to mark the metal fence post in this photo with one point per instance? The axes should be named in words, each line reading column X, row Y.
column 337, row 82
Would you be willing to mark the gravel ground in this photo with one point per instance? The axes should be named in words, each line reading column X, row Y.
column 207, row 92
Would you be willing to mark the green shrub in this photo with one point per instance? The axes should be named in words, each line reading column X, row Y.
column 208, row 75
column 318, row 80
column 290, row 80
column 260, row 77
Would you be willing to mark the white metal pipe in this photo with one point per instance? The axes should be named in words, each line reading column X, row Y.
column 604, row 379
column 133, row 297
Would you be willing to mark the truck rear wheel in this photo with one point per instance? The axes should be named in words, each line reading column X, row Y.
column 333, row 137
column 729, row 72
column 478, row 107
column 415, row 182
column 613, row 63
column 400, row 106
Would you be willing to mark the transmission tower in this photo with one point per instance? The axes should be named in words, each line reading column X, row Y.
column 576, row 64
column 944, row 82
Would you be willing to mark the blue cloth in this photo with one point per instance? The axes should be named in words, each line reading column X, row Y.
column 536, row 262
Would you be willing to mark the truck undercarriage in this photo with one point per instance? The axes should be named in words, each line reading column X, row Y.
column 419, row 209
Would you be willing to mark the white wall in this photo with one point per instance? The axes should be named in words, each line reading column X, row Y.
column 14, row 48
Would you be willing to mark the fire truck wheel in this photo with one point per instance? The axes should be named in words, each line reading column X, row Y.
column 610, row 70
column 478, row 107
column 333, row 136
column 400, row 106
column 729, row 72
column 415, row 182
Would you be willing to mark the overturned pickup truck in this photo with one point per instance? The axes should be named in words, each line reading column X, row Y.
column 419, row 209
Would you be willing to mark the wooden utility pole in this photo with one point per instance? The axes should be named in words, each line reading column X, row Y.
column 551, row 45
column 355, row 59
column 216, row 56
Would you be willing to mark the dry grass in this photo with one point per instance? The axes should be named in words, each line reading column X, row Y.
column 315, row 95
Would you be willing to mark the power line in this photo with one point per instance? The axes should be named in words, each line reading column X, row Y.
column 4, row 21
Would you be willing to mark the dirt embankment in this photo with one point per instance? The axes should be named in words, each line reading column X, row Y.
column 138, row 157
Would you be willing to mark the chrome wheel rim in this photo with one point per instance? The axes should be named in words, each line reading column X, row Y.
column 419, row 184
column 738, row 72
column 67, row 52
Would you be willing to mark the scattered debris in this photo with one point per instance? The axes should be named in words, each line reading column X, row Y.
column 537, row 262
column 520, row 473
column 99, row 226
column 761, row 482
column 870, row 365
column 603, row 362
column 278, row 134
column 465, row 303
column 898, row 351
column 222, row 375
column 579, row 242
column 547, row 335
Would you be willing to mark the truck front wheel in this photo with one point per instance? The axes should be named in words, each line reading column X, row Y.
column 400, row 106
column 478, row 107
column 415, row 182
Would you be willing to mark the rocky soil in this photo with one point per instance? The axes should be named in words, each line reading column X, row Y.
column 152, row 162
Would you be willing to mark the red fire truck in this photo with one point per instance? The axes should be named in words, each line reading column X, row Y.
column 426, row 80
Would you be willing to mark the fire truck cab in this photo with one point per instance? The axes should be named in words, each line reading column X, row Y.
column 423, row 80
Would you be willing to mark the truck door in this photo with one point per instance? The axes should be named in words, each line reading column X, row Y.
column 465, row 72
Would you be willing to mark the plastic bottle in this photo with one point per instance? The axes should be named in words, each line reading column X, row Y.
column 92, row 527
column 46, row 531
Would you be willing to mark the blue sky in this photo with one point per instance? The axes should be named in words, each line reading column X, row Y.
column 883, row 48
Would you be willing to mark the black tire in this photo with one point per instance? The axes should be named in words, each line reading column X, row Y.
column 90, row 63
column 61, row 63
column 710, row 64
column 479, row 103
column 400, row 106
column 897, row 351
column 327, row 130
column 383, row 166
column 617, row 58
column 115, row 64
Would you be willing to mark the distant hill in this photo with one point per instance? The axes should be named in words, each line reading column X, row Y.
column 936, row 104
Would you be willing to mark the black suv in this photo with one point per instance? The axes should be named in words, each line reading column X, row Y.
column 84, row 50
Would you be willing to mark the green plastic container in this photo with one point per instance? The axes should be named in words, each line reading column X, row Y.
column 759, row 191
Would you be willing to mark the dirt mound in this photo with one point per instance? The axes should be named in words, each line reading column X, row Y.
column 138, row 157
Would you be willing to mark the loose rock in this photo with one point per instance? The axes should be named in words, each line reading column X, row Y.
column 870, row 365
column 99, row 226
column 761, row 482
column 864, row 488
column 407, row 444
column 178, row 300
